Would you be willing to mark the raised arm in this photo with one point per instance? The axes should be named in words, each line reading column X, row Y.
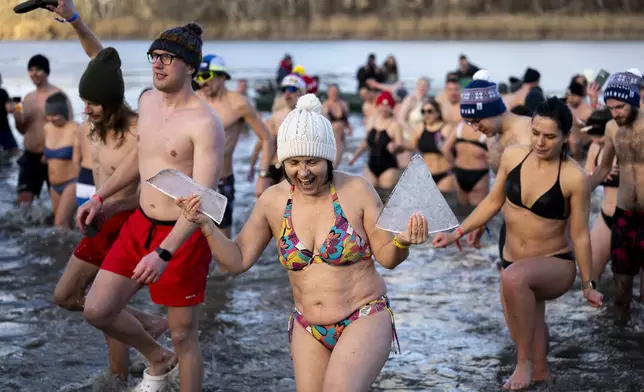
column 608, row 156
column 88, row 40
column 405, row 108
column 208, row 157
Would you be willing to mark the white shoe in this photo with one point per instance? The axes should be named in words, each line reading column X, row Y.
column 156, row 383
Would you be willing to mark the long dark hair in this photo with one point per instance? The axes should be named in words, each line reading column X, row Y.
column 117, row 120
column 556, row 110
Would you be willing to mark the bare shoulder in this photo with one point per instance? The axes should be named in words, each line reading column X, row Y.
column 240, row 102
column 514, row 154
column 351, row 184
column 274, row 198
column 611, row 128
column 573, row 177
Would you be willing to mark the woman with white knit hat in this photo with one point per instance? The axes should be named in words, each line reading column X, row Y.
column 324, row 223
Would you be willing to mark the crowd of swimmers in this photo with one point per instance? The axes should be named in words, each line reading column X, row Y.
column 342, row 321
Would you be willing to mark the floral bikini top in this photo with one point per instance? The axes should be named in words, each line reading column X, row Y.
column 342, row 246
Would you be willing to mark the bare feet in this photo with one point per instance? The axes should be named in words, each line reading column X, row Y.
column 541, row 373
column 521, row 377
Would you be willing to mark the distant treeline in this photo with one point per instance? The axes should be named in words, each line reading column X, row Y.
column 334, row 19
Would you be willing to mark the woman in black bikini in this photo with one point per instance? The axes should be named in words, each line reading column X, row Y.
column 384, row 140
column 337, row 111
column 542, row 191
column 466, row 150
column 601, row 231
column 429, row 137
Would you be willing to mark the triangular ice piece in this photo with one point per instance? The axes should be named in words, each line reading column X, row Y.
column 176, row 184
column 415, row 192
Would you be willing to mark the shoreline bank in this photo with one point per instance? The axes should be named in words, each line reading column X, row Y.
column 600, row 27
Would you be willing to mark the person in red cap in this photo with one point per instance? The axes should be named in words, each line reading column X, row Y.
column 384, row 141
column 312, row 82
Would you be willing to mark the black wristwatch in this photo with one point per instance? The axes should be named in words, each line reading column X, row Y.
column 588, row 285
column 263, row 174
column 163, row 254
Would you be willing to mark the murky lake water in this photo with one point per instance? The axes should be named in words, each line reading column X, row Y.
column 446, row 303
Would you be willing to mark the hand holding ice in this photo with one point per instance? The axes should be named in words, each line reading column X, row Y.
column 176, row 184
column 416, row 191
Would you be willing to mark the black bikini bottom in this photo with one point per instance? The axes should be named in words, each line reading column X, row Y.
column 467, row 179
column 377, row 170
column 565, row 256
column 439, row 176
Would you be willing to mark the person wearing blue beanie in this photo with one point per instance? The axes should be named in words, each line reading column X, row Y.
column 624, row 87
column 623, row 140
column 483, row 109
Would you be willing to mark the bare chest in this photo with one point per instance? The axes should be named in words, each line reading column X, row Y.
column 629, row 145
column 108, row 156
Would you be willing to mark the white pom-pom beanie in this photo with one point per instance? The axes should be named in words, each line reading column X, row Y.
column 305, row 132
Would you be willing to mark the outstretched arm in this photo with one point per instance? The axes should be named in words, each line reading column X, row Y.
column 492, row 203
column 90, row 43
column 241, row 254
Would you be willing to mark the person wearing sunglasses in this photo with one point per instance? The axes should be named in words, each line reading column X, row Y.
column 428, row 138
column 482, row 108
column 235, row 112
column 292, row 88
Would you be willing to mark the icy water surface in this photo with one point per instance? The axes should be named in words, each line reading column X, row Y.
column 446, row 303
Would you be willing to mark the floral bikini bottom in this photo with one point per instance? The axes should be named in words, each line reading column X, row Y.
column 329, row 335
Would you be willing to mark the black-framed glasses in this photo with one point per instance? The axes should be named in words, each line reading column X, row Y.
column 166, row 58
column 427, row 111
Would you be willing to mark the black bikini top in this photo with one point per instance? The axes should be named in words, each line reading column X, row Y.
column 343, row 117
column 428, row 143
column 551, row 205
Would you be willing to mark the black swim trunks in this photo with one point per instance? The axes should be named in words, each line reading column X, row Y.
column 226, row 187
column 33, row 173
column 627, row 242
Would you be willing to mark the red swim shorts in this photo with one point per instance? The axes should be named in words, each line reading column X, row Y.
column 93, row 250
column 183, row 283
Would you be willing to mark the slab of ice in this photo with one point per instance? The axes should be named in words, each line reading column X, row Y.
column 415, row 192
column 176, row 184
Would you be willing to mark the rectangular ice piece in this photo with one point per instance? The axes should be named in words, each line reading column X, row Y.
column 176, row 184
